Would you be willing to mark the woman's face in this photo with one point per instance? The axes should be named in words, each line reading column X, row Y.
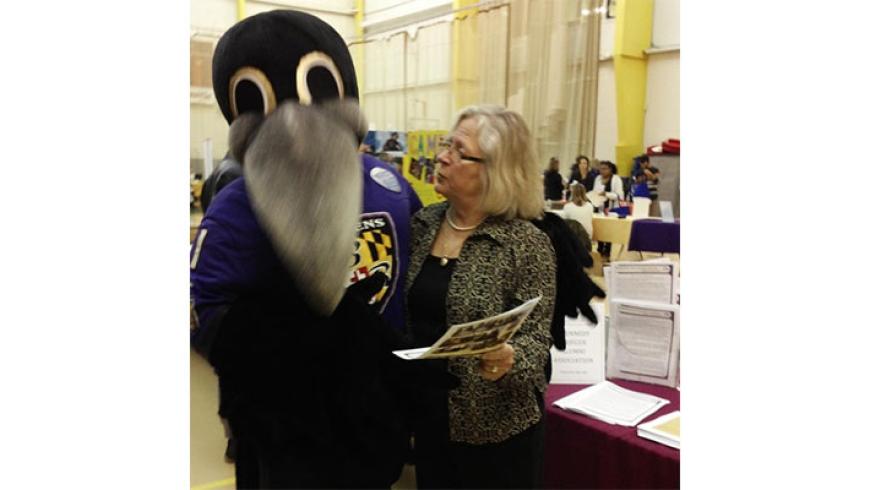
column 605, row 171
column 584, row 165
column 457, row 178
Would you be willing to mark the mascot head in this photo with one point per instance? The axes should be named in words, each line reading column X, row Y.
column 285, row 82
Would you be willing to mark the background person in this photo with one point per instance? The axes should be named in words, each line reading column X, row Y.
column 392, row 144
column 608, row 185
column 582, row 172
column 554, row 184
column 580, row 208
column 649, row 176
column 228, row 170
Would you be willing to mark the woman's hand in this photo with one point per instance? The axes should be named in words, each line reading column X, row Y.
column 497, row 363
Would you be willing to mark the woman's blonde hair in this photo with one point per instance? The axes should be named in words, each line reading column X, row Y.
column 578, row 193
column 512, row 184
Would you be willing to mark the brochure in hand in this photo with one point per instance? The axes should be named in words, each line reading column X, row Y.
column 477, row 337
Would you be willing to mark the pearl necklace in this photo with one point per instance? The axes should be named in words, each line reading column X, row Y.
column 457, row 227
column 444, row 259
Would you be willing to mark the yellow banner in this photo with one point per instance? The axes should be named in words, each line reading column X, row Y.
column 418, row 165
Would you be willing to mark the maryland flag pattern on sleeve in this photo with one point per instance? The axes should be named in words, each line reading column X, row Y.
column 376, row 250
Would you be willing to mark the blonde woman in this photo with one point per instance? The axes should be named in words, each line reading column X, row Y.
column 580, row 208
column 473, row 256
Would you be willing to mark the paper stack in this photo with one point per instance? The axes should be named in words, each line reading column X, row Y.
column 613, row 404
column 644, row 330
column 664, row 430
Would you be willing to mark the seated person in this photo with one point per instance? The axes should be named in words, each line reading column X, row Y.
column 649, row 176
column 579, row 208
column 608, row 185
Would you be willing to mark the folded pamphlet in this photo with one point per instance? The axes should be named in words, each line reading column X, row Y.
column 477, row 337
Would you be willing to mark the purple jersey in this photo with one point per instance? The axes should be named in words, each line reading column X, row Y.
column 232, row 256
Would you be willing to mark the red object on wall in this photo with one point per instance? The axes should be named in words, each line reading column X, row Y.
column 671, row 146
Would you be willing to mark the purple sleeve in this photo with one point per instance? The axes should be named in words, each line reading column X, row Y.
column 229, row 257
column 416, row 205
column 216, row 276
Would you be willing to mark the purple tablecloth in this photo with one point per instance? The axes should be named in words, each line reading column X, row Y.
column 581, row 452
column 652, row 235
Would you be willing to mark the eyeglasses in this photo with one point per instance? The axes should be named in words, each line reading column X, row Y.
column 453, row 152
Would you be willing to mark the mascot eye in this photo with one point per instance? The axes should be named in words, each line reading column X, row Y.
column 317, row 78
column 250, row 90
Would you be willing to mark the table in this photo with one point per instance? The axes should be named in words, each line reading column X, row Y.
column 581, row 452
column 612, row 229
column 654, row 235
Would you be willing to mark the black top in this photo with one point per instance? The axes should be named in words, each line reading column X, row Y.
column 392, row 145
column 228, row 170
column 588, row 182
column 427, row 312
column 427, row 301
column 553, row 185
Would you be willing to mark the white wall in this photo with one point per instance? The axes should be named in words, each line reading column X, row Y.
column 662, row 118
column 666, row 23
column 421, row 63
column 383, row 102
column 608, row 35
column 424, row 46
column 662, row 98
column 605, row 125
column 663, row 76
column 211, row 18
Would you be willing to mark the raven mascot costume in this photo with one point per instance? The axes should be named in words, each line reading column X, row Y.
column 295, row 266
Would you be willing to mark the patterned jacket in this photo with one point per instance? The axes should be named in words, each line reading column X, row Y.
column 501, row 265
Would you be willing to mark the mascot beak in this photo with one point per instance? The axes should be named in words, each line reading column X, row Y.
column 304, row 179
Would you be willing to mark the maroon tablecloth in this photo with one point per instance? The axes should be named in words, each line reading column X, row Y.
column 654, row 235
column 582, row 452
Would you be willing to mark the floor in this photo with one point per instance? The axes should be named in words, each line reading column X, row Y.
column 208, row 470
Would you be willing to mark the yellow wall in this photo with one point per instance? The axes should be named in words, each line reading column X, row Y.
column 465, row 74
column 633, row 34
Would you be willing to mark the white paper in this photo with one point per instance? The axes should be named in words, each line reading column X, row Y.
column 477, row 337
column 595, row 199
column 643, row 281
column 667, row 211
column 411, row 354
column 613, row 404
column 644, row 342
column 582, row 361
